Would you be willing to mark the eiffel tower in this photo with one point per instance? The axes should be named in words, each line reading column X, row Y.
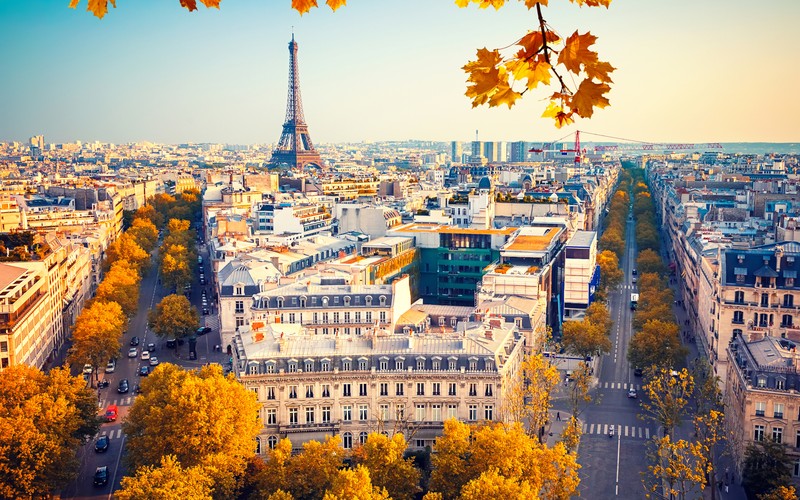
column 295, row 148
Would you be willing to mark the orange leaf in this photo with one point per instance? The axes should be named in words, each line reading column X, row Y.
column 576, row 52
column 589, row 96
column 482, row 3
column 557, row 113
column 303, row 6
column 592, row 3
column 532, row 3
column 535, row 71
column 599, row 71
column 211, row 3
column 485, row 83
column 189, row 4
column 335, row 4
column 487, row 60
column 98, row 7
column 504, row 95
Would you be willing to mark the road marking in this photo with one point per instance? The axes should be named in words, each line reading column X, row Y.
column 647, row 433
column 616, row 484
column 583, row 428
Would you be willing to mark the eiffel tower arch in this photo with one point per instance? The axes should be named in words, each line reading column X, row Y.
column 295, row 148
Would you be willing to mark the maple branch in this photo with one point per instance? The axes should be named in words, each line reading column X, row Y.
column 546, row 48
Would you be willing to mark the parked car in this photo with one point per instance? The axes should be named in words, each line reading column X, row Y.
column 101, row 476
column 144, row 371
column 203, row 330
column 151, row 347
column 87, row 368
column 154, row 361
column 111, row 366
column 123, row 386
column 145, row 355
column 101, row 445
column 637, row 371
column 205, row 312
column 111, row 413
column 135, row 341
column 133, row 352
column 634, row 272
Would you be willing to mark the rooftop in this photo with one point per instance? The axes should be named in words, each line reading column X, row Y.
column 436, row 228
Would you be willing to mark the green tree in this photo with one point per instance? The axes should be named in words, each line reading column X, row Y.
column 174, row 317
column 766, row 467
column 44, row 418
column 201, row 417
column 383, row 458
column 97, row 334
column 168, row 481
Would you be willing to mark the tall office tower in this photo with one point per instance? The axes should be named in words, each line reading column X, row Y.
column 519, row 152
column 494, row 151
column 37, row 141
column 456, row 151
column 477, row 148
column 295, row 148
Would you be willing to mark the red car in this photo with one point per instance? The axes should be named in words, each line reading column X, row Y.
column 111, row 413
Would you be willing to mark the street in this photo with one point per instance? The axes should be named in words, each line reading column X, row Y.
column 127, row 368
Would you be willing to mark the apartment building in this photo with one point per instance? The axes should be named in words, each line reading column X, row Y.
column 581, row 273
column 762, row 400
column 313, row 386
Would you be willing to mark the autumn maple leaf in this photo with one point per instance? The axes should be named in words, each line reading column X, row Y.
column 504, row 94
column 555, row 111
column 576, row 52
column 589, row 96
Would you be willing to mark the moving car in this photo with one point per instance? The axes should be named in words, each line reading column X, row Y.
column 133, row 352
column 111, row 413
column 101, row 445
column 145, row 354
column 205, row 312
column 171, row 343
column 637, row 371
column 154, row 361
column 151, row 347
column 87, row 368
column 144, row 371
column 135, row 341
column 634, row 272
column 111, row 366
column 203, row 330
column 101, row 476
column 123, row 386
column 632, row 393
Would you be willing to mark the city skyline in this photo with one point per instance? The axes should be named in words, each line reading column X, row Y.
column 153, row 71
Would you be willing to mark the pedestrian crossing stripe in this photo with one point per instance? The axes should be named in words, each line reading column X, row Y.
column 112, row 434
column 620, row 385
column 631, row 431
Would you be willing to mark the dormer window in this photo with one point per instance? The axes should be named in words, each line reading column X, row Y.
column 303, row 301
column 368, row 300
column 347, row 301
column 280, row 302
column 324, row 301
column 238, row 290
column 382, row 300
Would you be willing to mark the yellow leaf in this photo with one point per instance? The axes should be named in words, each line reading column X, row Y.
column 485, row 83
column 98, row 7
column 599, row 71
column 482, row 3
column 592, row 3
column 73, row 3
column 462, row 3
column 211, row 3
column 535, row 71
column 335, row 4
column 532, row 3
column 303, row 6
column 504, row 94
column 487, row 60
column 589, row 96
column 576, row 52
column 555, row 111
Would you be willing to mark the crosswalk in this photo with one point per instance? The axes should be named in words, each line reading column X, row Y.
column 631, row 431
column 126, row 401
column 113, row 434
column 619, row 385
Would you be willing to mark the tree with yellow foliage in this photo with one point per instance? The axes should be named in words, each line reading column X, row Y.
column 668, row 393
column 202, row 418
column 97, row 334
column 44, row 418
column 144, row 232
column 679, row 467
column 126, row 248
column 121, row 285
column 174, row 317
column 167, row 481
column 355, row 484
column 657, row 344
column 610, row 273
column 382, row 456
column 540, row 57
column 528, row 398
column 313, row 471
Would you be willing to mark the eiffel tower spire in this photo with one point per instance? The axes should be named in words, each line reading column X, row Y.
column 295, row 148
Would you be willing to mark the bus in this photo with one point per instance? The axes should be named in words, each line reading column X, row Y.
column 634, row 300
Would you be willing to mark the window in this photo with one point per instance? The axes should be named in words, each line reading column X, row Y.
column 400, row 411
column 315, row 318
column 309, row 414
column 436, row 413
column 368, row 316
column 293, row 392
column 292, row 366
column 778, row 410
column 488, row 412
column 473, row 389
column 436, row 364
column 363, row 412
column 362, row 365
column 797, row 439
column 762, row 381
column 788, row 300
column 384, row 364
column 346, row 365
column 780, row 384
column 362, row 389
column 271, row 392
column 399, row 363
column 347, row 413
column 383, row 411
column 326, row 414
column 452, row 411
column 764, row 300
column 336, row 317
column 346, row 390
column 384, row 389
column 758, row 434
column 473, row 413
column 326, row 390
column 362, row 437
column 358, row 317
column 488, row 391
column 273, row 442
column 761, row 408
column 239, row 307
column 239, row 321
column 347, row 440
column 272, row 416
column 382, row 316
column 437, row 389
column 309, row 367
column 309, row 391
column 473, row 365
column 325, row 319
column 292, row 415
column 420, row 415
column 291, row 318
column 738, row 317
column 398, row 389
column 738, row 297
column 451, row 389
column 420, row 388
column 786, row 320
column 382, row 300
column 420, row 364
column 777, row 434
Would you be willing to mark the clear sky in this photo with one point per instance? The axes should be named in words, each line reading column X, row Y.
column 688, row 70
